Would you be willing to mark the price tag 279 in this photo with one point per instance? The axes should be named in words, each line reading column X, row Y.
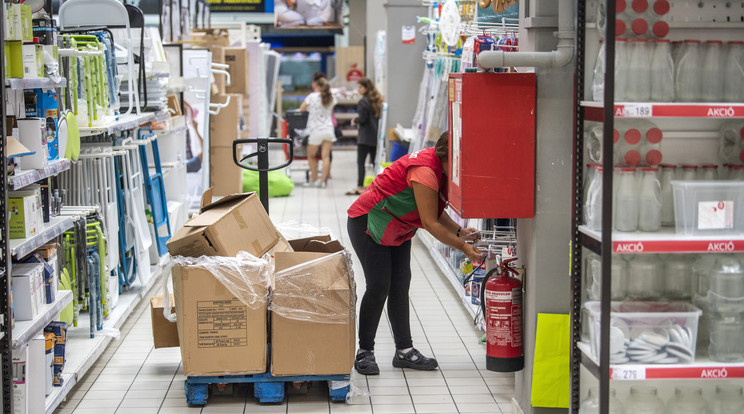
column 638, row 111
column 629, row 373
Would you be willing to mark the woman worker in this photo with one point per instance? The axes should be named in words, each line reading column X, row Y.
column 408, row 195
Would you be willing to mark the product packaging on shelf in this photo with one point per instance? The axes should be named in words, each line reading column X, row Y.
column 26, row 214
column 709, row 207
column 235, row 223
column 49, row 340
column 221, row 307
column 48, row 253
column 28, row 377
column 31, row 135
column 313, row 309
column 27, row 283
column 59, row 329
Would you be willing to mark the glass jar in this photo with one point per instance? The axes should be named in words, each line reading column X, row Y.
column 712, row 86
column 687, row 400
column 726, row 338
column 728, row 400
column 733, row 73
column 700, row 275
column 726, row 286
column 689, row 173
column 736, row 173
column 688, row 73
column 590, row 404
column 639, row 72
column 677, row 277
column 708, row 172
column 618, row 272
column 599, row 72
column 649, row 201
column 626, row 200
column 621, row 69
column 643, row 400
column 668, row 173
column 662, row 72
column 645, row 277
column 593, row 205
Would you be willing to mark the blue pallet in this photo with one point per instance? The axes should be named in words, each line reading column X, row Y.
column 266, row 388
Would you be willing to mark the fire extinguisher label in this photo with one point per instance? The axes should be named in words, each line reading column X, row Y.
column 504, row 323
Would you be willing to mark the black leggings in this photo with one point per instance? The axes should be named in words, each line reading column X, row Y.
column 362, row 151
column 387, row 271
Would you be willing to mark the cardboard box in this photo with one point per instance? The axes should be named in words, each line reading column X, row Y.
column 164, row 332
column 33, row 61
column 29, row 377
column 59, row 329
column 14, row 59
column 27, row 27
column 237, row 222
column 237, row 58
column 225, row 176
column 313, row 347
column 210, row 37
column 224, row 127
column 26, row 215
column 15, row 22
column 218, row 333
column 27, row 283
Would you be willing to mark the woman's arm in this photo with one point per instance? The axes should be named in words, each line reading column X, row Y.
column 427, row 202
column 363, row 113
column 304, row 107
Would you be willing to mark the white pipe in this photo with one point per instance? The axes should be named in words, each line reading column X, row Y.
column 554, row 59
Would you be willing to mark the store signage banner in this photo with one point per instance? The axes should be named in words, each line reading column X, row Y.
column 243, row 6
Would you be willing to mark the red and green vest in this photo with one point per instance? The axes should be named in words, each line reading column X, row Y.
column 392, row 216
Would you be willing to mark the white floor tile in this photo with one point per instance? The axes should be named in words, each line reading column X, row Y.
column 394, row 409
column 138, row 410
column 390, row 399
column 479, row 408
column 435, row 408
column 141, row 403
column 308, row 409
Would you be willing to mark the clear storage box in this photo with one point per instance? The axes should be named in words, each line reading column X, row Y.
column 709, row 207
column 647, row 332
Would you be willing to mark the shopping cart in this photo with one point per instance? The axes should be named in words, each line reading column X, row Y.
column 263, row 168
column 293, row 129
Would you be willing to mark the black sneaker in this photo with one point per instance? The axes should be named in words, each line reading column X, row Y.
column 365, row 363
column 413, row 359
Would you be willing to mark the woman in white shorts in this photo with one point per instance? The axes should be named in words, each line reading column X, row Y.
column 320, row 130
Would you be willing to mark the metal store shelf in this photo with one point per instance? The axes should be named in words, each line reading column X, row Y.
column 56, row 226
column 24, row 178
column 429, row 242
column 23, row 331
column 83, row 351
column 124, row 123
column 701, row 369
column 43, row 83
column 668, row 241
column 59, row 393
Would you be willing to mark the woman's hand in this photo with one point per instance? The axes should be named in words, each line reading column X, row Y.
column 472, row 253
column 470, row 234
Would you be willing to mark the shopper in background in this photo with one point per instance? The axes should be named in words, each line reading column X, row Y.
column 369, row 109
column 320, row 130
column 408, row 195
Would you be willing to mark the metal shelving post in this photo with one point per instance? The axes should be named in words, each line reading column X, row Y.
column 5, row 329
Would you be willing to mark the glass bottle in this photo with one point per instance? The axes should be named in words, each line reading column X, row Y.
column 689, row 172
column 668, row 172
column 687, row 400
column 593, row 207
column 677, row 49
column 712, row 85
column 688, row 73
column 639, row 72
column 643, row 400
column 729, row 399
column 649, row 201
column 700, row 276
column 677, row 277
column 631, row 148
column 726, row 285
column 599, row 72
column 645, row 279
column 619, row 272
column 621, row 69
column 626, row 200
column 733, row 73
column 590, row 404
column 726, row 338
column 651, row 146
column 708, row 172
column 662, row 72
column 736, row 173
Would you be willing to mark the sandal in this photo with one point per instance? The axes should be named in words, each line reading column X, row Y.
column 355, row 191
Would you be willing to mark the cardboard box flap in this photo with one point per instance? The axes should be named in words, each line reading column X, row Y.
column 232, row 199
column 314, row 287
column 319, row 244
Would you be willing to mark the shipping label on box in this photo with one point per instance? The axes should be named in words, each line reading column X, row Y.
column 218, row 333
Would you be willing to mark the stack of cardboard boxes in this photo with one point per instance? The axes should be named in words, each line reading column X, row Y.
column 308, row 298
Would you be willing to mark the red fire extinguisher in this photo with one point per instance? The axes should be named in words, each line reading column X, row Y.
column 501, row 302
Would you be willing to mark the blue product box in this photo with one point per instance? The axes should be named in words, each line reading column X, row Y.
column 47, row 107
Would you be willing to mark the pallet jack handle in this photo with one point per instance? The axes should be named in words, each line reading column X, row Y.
column 263, row 168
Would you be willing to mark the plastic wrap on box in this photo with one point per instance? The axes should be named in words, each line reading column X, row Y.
column 292, row 230
column 320, row 290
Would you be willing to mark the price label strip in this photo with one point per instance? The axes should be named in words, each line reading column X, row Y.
column 637, row 111
column 628, row 373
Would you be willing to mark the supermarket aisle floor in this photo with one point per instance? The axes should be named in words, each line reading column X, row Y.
column 132, row 377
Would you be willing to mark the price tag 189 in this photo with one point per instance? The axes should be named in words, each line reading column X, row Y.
column 628, row 373
column 638, row 111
